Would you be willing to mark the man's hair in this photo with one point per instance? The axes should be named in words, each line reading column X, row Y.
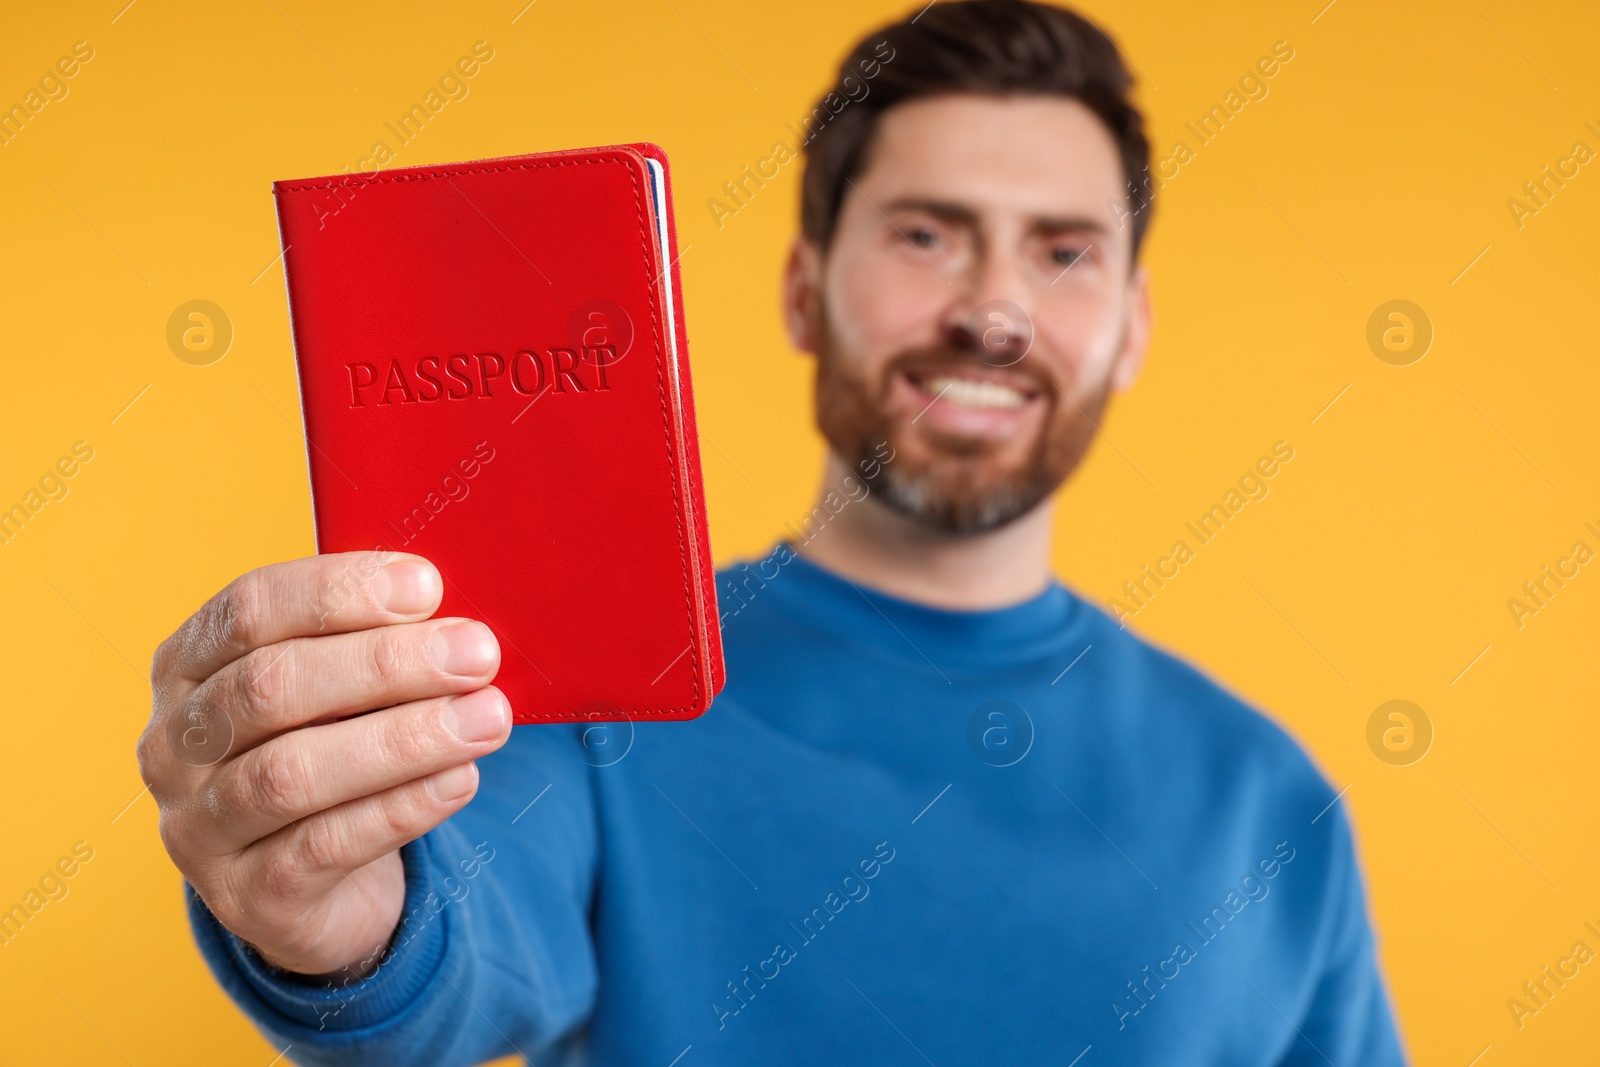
column 989, row 47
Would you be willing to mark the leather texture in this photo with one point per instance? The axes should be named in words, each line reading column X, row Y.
column 488, row 379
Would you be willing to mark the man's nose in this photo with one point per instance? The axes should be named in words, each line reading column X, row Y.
column 988, row 312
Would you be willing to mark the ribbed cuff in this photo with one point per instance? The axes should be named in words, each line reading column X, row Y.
column 414, row 956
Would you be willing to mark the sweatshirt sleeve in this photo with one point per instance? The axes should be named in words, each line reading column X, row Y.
column 1350, row 1019
column 493, row 955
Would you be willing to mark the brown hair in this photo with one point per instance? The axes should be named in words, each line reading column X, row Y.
column 992, row 47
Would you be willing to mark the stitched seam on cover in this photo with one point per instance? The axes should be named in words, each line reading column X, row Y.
column 661, row 382
column 663, row 348
column 447, row 173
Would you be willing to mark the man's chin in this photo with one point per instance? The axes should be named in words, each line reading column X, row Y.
column 958, row 488
column 976, row 458
column 957, row 514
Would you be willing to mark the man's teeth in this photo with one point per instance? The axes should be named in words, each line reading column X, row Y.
column 974, row 394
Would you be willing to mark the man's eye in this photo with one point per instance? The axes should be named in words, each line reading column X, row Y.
column 1066, row 257
column 921, row 236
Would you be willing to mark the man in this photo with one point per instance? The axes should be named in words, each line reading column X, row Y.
column 946, row 810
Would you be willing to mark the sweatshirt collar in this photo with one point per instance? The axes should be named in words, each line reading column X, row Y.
column 1037, row 627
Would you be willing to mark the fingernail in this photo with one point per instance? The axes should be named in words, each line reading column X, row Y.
column 454, row 783
column 464, row 648
column 407, row 587
column 479, row 716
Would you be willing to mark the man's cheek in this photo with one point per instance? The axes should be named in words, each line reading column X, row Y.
column 1077, row 350
column 880, row 299
column 874, row 317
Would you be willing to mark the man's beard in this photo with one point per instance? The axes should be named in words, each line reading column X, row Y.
column 953, row 484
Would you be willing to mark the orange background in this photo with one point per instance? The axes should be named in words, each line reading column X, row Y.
column 1421, row 497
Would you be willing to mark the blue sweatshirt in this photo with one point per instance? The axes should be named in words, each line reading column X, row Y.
column 902, row 835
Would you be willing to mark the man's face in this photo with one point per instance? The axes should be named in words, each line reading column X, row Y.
column 976, row 306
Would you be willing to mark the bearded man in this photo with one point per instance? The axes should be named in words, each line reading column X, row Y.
column 946, row 809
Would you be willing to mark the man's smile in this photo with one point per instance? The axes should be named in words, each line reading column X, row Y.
column 969, row 401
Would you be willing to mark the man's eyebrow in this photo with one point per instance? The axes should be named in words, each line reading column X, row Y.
column 1070, row 224
column 966, row 216
column 939, row 209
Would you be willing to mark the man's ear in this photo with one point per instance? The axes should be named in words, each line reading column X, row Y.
column 1136, row 337
column 802, row 286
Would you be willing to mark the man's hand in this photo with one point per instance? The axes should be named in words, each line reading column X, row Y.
column 281, row 802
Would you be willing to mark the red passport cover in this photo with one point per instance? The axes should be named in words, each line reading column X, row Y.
column 494, row 375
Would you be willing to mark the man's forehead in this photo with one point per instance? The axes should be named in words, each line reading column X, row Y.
column 1035, row 156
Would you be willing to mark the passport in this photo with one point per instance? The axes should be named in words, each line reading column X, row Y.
column 494, row 374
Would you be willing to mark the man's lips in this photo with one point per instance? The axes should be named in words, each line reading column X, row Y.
column 998, row 387
column 968, row 401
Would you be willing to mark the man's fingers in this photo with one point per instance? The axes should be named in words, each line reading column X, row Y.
column 306, row 679
column 334, row 593
column 302, row 772
column 305, row 860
